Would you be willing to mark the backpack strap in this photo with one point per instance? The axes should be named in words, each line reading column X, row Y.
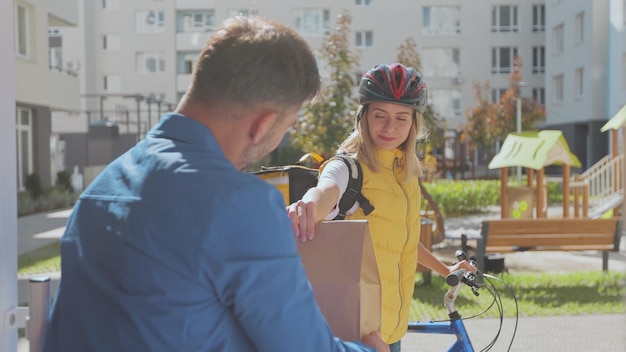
column 353, row 191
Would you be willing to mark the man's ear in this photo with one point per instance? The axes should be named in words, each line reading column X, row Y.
column 261, row 125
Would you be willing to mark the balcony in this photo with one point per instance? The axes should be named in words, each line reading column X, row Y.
column 62, row 13
column 63, row 90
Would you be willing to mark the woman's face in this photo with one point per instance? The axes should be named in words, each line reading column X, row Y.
column 389, row 124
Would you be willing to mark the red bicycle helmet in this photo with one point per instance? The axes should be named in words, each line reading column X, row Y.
column 394, row 83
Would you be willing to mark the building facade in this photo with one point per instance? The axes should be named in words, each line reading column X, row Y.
column 43, row 86
column 135, row 58
column 585, row 72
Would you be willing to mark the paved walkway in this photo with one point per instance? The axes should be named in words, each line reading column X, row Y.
column 605, row 332
column 597, row 332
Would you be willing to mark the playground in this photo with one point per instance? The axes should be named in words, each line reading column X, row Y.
column 591, row 214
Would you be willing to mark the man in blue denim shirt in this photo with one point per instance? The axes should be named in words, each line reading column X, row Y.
column 172, row 247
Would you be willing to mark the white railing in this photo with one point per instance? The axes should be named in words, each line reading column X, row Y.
column 605, row 178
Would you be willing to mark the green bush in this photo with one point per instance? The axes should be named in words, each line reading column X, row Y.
column 457, row 198
column 52, row 198
column 64, row 180
column 464, row 197
column 32, row 183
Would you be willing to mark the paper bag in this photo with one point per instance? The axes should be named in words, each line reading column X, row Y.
column 342, row 270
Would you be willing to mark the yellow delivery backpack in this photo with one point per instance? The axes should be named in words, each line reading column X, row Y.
column 294, row 180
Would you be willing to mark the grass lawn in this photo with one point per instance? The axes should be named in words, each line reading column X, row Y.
column 44, row 259
column 538, row 294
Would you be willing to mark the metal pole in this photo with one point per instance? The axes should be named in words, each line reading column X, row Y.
column 518, row 121
column 102, row 97
column 518, row 127
column 138, row 100
column 39, row 307
column 127, row 120
column 149, row 101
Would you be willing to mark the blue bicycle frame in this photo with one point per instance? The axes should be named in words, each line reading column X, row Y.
column 452, row 327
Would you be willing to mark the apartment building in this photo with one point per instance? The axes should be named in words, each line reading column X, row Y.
column 43, row 87
column 585, row 71
column 136, row 57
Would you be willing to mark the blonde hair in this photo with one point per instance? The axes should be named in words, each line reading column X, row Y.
column 360, row 145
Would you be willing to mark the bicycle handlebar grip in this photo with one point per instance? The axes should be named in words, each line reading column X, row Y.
column 454, row 278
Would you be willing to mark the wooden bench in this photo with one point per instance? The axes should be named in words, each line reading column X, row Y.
column 549, row 234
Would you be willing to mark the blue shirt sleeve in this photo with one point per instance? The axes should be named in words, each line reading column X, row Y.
column 256, row 270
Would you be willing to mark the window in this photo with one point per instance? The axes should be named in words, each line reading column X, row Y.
column 150, row 62
column 539, row 18
column 55, row 49
column 502, row 59
column 579, row 84
column 112, row 84
column 196, row 21
column 539, row 61
column 111, row 42
column 22, row 42
column 186, row 61
column 557, row 39
column 579, row 28
column 447, row 102
column 150, row 22
column 111, row 4
column 312, row 22
column 496, row 94
column 504, row 18
column 56, row 58
column 441, row 20
column 557, row 86
column 364, row 38
column 24, row 135
column 241, row 12
column 441, row 62
column 539, row 94
column 363, row 2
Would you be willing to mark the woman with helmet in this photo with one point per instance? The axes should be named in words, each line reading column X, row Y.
column 388, row 124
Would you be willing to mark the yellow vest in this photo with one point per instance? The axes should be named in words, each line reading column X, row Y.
column 395, row 228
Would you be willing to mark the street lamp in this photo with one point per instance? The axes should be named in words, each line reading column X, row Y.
column 518, row 120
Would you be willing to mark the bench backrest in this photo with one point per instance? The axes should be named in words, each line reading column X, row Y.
column 581, row 233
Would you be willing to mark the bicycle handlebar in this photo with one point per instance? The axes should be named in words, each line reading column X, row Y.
column 462, row 275
column 454, row 278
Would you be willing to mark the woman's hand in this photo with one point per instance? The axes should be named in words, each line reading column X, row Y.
column 303, row 218
column 316, row 203
column 463, row 264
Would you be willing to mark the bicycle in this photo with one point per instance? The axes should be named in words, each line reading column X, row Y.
column 454, row 325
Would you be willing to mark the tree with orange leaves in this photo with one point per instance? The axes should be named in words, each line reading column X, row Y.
column 533, row 113
column 490, row 122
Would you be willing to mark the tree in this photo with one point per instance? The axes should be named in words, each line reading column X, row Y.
column 328, row 121
column 409, row 56
column 533, row 113
column 490, row 122
column 484, row 121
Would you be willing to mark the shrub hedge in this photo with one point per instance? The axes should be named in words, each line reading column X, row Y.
column 464, row 197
